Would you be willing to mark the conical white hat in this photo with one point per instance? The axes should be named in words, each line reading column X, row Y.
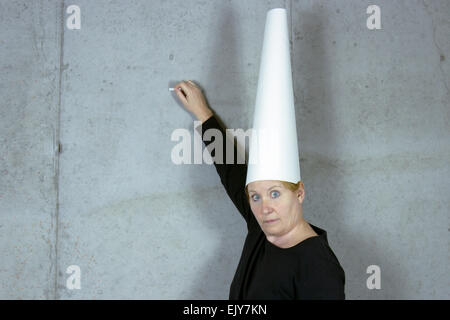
column 273, row 151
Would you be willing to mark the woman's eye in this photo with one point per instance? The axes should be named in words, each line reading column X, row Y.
column 275, row 194
column 255, row 197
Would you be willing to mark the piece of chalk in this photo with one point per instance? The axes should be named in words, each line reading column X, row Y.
column 171, row 89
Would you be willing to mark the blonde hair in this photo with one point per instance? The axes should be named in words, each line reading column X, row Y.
column 288, row 185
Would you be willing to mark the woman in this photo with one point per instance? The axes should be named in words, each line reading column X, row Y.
column 283, row 257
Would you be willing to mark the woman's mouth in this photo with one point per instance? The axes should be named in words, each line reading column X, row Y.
column 270, row 221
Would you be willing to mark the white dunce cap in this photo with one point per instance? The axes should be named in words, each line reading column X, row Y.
column 273, row 151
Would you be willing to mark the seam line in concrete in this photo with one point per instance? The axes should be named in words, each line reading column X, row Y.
column 58, row 148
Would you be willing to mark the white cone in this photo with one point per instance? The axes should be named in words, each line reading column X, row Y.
column 273, row 151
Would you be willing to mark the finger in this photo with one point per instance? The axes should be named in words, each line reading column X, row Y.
column 185, row 87
column 180, row 92
column 194, row 84
column 181, row 95
column 182, row 86
column 177, row 87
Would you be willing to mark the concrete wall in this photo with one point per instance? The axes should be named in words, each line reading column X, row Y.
column 85, row 154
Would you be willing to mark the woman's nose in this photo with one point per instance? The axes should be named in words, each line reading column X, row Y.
column 267, row 208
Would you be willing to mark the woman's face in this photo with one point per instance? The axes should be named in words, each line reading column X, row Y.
column 276, row 208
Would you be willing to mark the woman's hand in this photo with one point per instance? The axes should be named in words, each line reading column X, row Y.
column 193, row 100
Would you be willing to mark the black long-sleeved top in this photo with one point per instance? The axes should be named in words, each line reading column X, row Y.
column 308, row 270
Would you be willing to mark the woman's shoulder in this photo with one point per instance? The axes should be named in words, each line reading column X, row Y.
column 316, row 250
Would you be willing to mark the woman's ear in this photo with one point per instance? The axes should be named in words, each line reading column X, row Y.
column 300, row 193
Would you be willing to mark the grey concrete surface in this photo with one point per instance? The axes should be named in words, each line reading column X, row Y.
column 29, row 90
column 373, row 118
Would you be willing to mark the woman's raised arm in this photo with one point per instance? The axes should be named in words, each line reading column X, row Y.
column 231, row 175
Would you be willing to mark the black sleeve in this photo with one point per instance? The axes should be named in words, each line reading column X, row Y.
column 321, row 277
column 233, row 175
